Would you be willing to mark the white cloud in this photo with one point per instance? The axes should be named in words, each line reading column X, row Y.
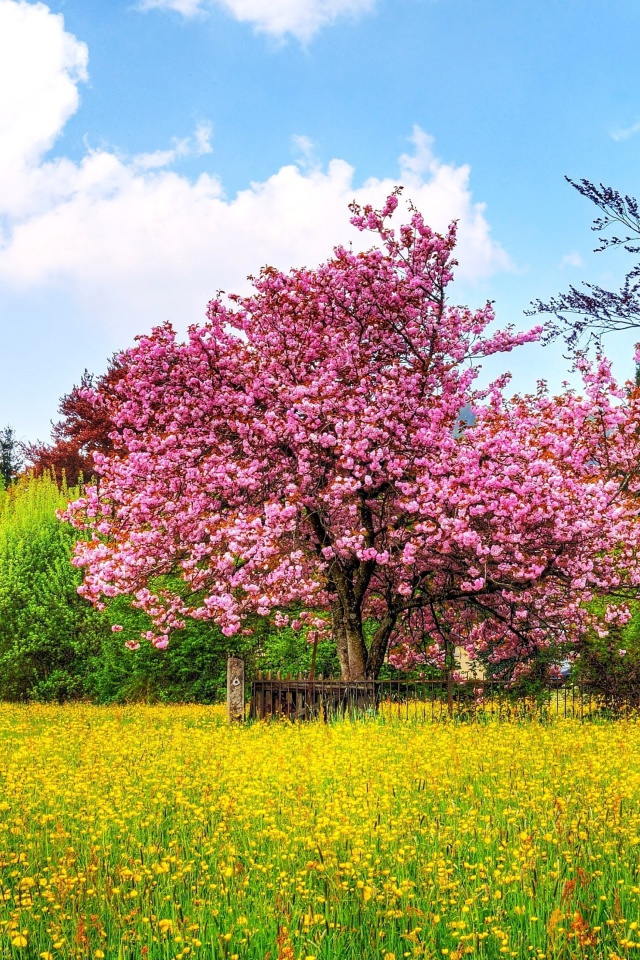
column 135, row 243
column 572, row 259
column 188, row 8
column 305, row 152
column 196, row 146
column 40, row 68
column 301, row 18
column 623, row 133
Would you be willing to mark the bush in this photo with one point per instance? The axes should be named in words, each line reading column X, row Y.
column 193, row 668
column 54, row 646
column 47, row 632
column 611, row 665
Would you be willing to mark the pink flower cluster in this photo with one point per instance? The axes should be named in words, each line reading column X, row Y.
column 303, row 449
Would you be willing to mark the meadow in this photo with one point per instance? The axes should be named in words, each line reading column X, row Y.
column 163, row 832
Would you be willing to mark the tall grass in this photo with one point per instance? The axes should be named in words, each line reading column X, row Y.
column 161, row 832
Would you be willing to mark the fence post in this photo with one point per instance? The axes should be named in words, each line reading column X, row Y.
column 235, row 690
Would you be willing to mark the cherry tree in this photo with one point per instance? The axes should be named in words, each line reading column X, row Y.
column 301, row 455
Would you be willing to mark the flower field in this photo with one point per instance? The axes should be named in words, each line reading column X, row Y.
column 162, row 832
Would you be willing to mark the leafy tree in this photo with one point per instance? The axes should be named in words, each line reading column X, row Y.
column 591, row 311
column 10, row 459
column 83, row 430
column 47, row 630
column 55, row 646
column 193, row 669
column 609, row 660
column 301, row 456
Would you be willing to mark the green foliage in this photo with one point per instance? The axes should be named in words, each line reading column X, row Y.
column 10, row 459
column 46, row 630
column 192, row 668
column 287, row 650
column 55, row 646
column 610, row 665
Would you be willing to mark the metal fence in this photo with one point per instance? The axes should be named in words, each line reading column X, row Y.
column 441, row 699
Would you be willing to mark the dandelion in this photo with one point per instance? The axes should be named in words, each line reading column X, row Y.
column 396, row 837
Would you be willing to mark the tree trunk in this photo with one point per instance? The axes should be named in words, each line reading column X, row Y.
column 356, row 647
column 355, row 662
column 380, row 645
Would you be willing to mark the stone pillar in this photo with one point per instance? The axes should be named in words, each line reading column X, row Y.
column 235, row 690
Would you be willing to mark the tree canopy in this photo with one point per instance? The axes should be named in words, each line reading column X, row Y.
column 84, row 429
column 10, row 456
column 590, row 311
column 301, row 456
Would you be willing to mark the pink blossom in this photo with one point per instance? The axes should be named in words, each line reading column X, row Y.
column 302, row 450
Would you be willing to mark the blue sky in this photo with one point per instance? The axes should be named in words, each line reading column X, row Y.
column 154, row 152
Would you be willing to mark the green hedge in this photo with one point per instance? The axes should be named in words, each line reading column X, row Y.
column 55, row 646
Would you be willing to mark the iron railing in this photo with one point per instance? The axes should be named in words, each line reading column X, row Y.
column 440, row 699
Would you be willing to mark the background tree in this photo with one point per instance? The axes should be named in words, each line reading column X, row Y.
column 592, row 310
column 609, row 662
column 301, row 456
column 47, row 630
column 83, row 430
column 10, row 459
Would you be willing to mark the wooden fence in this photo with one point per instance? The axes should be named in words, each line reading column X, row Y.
column 304, row 699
